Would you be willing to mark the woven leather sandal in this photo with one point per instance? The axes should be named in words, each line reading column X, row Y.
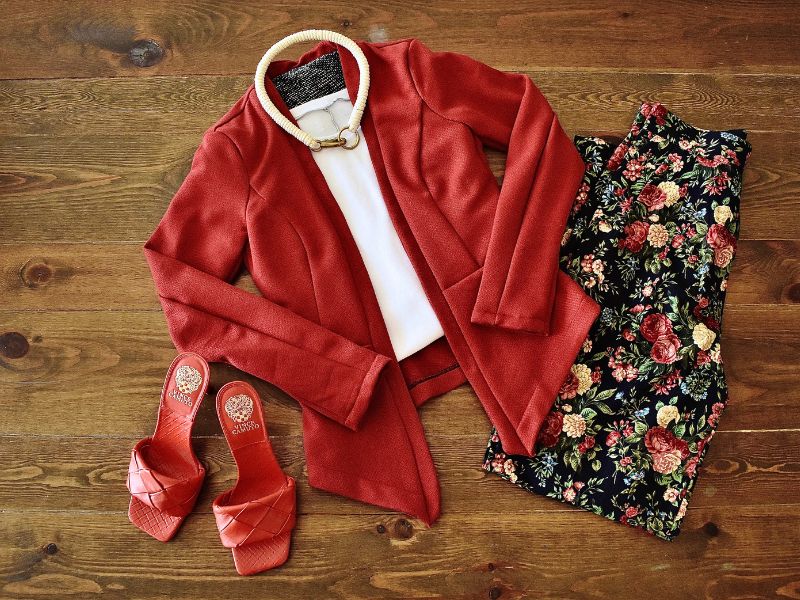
column 164, row 477
column 256, row 517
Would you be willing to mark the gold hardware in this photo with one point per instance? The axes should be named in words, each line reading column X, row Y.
column 330, row 143
column 337, row 142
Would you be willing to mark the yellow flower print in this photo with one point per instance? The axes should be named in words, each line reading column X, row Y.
column 667, row 414
column 574, row 425
column 671, row 189
column 703, row 337
column 584, row 375
column 723, row 214
column 658, row 235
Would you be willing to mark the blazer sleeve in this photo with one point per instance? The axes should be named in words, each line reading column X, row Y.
column 194, row 254
column 506, row 111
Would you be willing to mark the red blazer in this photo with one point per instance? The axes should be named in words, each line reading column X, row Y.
column 487, row 257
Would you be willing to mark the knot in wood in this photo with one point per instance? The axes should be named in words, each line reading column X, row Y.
column 35, row 273
column 13, row 345
column 403, row 529
column 145, row 53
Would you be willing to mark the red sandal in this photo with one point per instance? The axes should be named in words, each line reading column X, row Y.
column 255, row 519
column 164, row 477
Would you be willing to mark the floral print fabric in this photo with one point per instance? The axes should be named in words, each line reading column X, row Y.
column 651, row 238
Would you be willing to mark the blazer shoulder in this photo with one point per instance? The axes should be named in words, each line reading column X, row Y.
column 392, row 52
column 229, row 121
column 243, row 124
column 389, row 43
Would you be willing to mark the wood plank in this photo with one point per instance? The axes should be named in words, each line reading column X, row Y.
column 92, row 150
column 70, row 365
column 585, row 101
column 86, row 39
column 88, row 473
column 115, row 276
column 115, row 187
column 733, row 552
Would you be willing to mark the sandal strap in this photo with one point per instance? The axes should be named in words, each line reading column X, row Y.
column 169, row 495
column 256, row 520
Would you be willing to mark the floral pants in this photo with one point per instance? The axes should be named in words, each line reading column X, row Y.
column 651, row 238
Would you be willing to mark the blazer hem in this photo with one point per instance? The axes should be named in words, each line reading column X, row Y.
column 344, row 483
column 437, row 384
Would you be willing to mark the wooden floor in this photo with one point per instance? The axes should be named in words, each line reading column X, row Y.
column 103, row 105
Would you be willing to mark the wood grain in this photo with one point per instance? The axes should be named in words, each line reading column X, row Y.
column 487, row 555
column 104, row 104
column 68, row 276
column 115, row 187
column 74, row 361
column 586, row 102
column 113, row 182
column 88, row 473
column 141, row 38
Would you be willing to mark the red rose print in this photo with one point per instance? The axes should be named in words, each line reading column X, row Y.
column 551, row 429
column 569, row 389
column 656, row 208
column 652, row 197
column 723, row 256
column 654, row 326
column 656, row 110
column 665, row 349
column 691, row 467
column 666, row 462
column 718, row 236
column 588, row 442
column 616, row 158
column 659, row 440
column 706, row 162
column 667, row 450
column 635, row 236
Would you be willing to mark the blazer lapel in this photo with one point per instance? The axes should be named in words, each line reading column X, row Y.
column 367, row 298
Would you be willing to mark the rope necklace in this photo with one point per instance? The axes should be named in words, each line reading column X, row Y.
column 361, row 98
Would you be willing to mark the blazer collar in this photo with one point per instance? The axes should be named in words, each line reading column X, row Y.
column 278, row 67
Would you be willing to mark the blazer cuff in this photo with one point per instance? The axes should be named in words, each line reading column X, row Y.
column 512, row 322
column 365, row 392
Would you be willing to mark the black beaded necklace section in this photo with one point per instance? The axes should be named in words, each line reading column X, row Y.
column 317, row 78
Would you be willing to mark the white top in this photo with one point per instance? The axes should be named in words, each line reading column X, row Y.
column 350, row 175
